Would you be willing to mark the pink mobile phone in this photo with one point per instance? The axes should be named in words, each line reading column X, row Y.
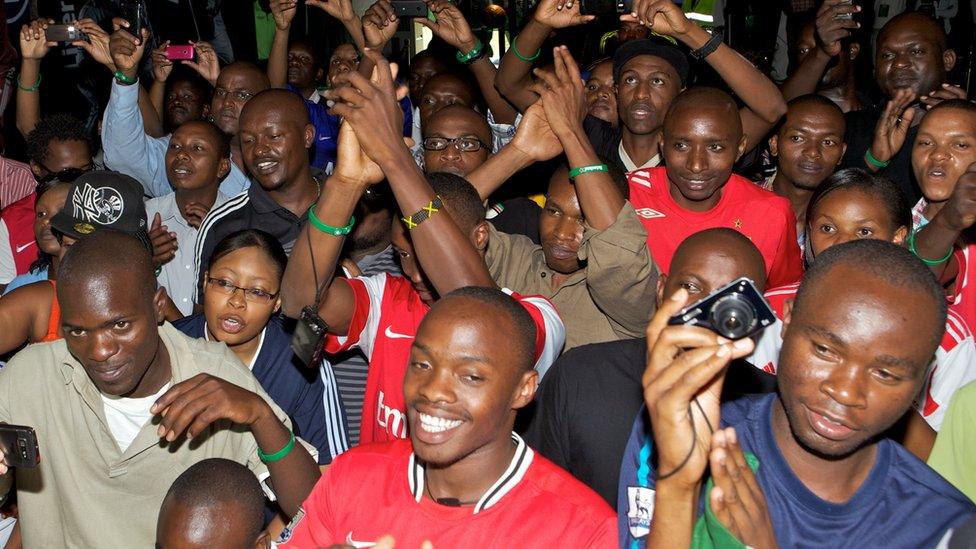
column 179, row 52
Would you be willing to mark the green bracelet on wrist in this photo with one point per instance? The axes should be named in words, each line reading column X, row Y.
column 329, row 229
column 576, row 172
column 475, row 53
column 34, row 88
column 529, row 59
column 874, row 161
column 929, row 262
column 270, row 458
column 123, row 79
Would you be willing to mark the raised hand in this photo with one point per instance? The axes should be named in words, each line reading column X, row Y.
column 126, row 49
column 283, row 12
column 207, row 63
column 163, row 242
column 340, row 9
column 450, row 26
column 379, row 24
column 959, row 212
column 892, row 128
column 370, row 107
column 563, row 97
column 162, row 66
column 942, row 93
column 829, row 29
column 685, row 364
column 534, row 138
column 33, row 44
column 736, row 498
column 559, row 14
column 192, row 405
column 661, row 16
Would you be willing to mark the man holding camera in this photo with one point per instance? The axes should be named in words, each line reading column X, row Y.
column 805, row 463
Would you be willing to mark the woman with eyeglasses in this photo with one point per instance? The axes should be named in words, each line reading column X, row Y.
column 240, row 309
column 50, row 198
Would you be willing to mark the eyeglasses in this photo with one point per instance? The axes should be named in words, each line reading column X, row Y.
column 254, row 295
column 463, row 144
column 67, row 175
column 240, row 95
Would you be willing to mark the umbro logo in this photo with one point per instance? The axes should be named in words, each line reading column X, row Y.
column 648, row 213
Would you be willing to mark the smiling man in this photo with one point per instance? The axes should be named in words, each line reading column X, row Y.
column 275, row 137
column 115, row 403
column 463, row 477
column 697, row 190
column 865, row 325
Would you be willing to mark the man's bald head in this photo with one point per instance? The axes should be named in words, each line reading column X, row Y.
column 283, row 104
column 107, row 260
column 460, row 116
column 918, row 22
column 256, row 78
column 725, row 241
column 705, row 101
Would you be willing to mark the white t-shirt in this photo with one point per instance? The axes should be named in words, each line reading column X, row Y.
column 126, row 416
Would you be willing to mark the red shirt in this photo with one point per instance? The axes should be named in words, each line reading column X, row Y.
column 764, row 217
column 378, row 489
column 387, row 314
column 19, row 217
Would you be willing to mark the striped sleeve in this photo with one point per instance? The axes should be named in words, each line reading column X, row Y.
column 550, row 332
column 203, row 247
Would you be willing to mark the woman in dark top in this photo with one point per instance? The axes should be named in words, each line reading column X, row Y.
column 240, row 309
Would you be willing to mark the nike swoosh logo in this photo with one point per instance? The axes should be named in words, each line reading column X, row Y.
column 24, row 247
column 325, row 137
column 393, row 335
column 358, row 544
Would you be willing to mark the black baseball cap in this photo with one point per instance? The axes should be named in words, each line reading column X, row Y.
column 645, row 46
column 101, row 200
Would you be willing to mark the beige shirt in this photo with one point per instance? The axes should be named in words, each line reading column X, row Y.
column 612, row 297
column 87, row 493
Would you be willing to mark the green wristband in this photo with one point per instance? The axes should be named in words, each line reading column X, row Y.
column 34, row 88
column 929, row 262
column 123, row 79
column 270, row 458
column 576, row 172
column 874, row 161
column 522, row 57
column 472, row 55
column 329, row 229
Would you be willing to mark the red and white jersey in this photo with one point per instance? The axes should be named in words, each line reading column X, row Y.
column 963, row 300
column 953, row 367
column 378, row 489
column 18, row 246
column 764, row 217
column 387, row 314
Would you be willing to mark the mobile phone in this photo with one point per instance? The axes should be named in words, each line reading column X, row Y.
column 179, row 52
column 63, row 33
column 410, row 8
column 19, row 446
column 133, row 12
column 734, row 311
column 847, row 16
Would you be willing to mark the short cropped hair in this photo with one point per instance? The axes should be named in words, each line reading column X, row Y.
column 217, row 481
column 465, row 204
column 510, row 308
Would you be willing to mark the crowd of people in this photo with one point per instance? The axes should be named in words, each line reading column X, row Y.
column 445, row 303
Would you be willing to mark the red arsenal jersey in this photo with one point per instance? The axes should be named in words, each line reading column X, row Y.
column 953, row 367
column 764, row 217
column 387, row 314
column 378, row 489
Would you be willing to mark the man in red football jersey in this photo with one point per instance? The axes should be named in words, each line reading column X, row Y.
column 380, row 314
column 697, row 190
column 464, row 479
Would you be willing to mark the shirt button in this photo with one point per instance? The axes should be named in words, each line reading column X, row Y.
column 543, row 275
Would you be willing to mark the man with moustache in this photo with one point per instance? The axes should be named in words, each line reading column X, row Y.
column 128, row 149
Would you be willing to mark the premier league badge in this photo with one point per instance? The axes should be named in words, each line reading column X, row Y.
column 640, row 509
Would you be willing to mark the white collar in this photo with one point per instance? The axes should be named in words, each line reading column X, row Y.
column 510, row 478
column 630, row 165
column 257, row 352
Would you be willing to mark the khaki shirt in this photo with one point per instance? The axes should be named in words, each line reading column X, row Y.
column 612, row 297
column 86, row 493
